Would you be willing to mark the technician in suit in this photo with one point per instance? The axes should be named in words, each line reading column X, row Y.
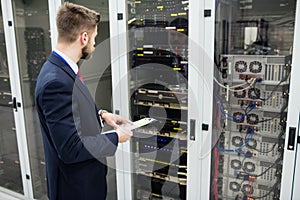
column 75, row 149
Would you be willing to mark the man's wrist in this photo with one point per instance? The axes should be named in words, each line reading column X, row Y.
column 101, row 112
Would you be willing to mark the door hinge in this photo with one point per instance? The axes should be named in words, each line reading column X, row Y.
column 120, row 16
column 205, row 127
column 207, row 13
column 16, row 104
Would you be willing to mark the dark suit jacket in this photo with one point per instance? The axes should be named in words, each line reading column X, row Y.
column 75, row 150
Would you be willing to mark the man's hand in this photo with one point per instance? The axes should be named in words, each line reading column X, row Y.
column 114, row 120
column 118, row 123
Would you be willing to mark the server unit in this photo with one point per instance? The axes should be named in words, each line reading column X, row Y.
column 252, row 81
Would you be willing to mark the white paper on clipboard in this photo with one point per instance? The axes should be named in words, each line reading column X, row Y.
column 139, row 123
column 136, row 124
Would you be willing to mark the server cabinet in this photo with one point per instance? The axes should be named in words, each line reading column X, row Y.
column 158, row 57
column 158, row 88
column 254, row 59
column 221, row 98
column 151, row 78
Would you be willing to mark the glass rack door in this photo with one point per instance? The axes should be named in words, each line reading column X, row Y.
column 10, row 172
column 253, row 51
column 31, row 24
column 158, row 84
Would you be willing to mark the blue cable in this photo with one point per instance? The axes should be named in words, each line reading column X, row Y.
column 251, row 107
column 248, row 154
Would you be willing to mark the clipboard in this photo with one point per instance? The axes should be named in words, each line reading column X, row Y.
column 139, row 123
column 136, row 124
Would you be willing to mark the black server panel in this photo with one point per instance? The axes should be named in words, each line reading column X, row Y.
column 5, row 91
column 36, row 54
column 159, row 89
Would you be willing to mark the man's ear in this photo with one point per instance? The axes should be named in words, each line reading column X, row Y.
column 84, row 38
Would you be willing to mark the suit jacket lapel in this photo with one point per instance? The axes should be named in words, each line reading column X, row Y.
column 83, row 88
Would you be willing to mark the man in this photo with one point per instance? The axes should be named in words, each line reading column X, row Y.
column 75, row 149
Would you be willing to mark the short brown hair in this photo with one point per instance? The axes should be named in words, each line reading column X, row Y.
column 72, row 20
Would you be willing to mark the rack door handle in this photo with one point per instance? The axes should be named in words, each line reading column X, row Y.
column 192, row 129
column 291, row 139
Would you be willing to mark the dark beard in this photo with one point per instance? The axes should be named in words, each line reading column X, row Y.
column 84, row 54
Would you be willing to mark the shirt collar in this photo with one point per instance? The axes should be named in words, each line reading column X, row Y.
column 71, row 63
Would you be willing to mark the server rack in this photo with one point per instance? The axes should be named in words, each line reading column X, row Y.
column 34, row 38
column 253, row 78
column 5, row 92
column 155, row 82
column 229, row 137
column 159, row 89
column 249, row 151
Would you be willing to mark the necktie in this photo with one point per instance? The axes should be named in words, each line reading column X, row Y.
column 79, row 76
